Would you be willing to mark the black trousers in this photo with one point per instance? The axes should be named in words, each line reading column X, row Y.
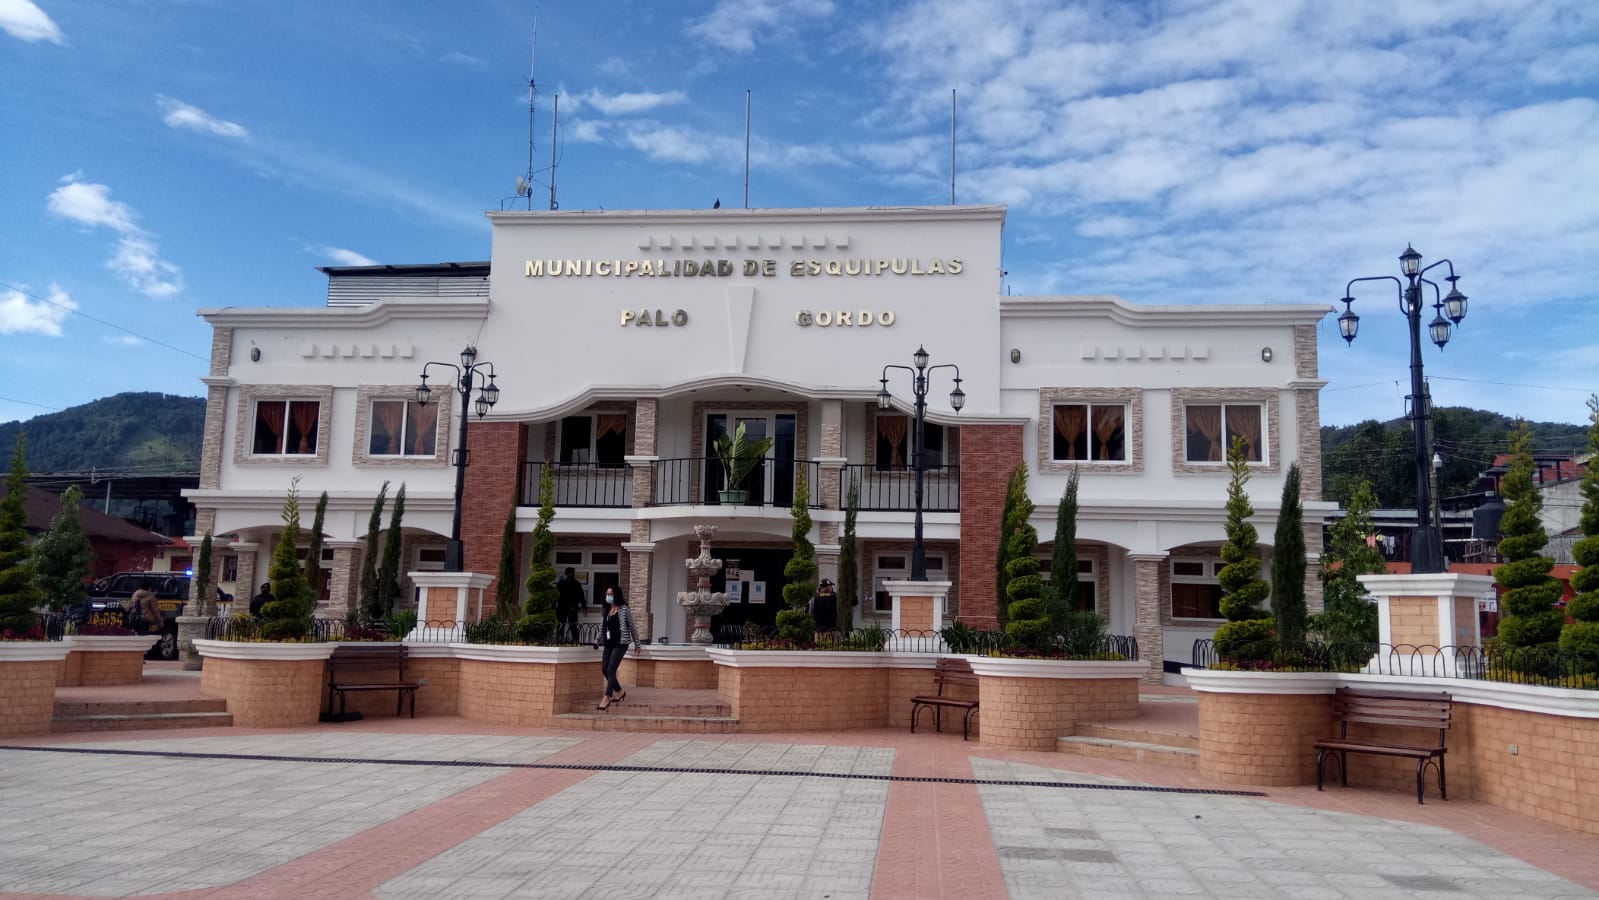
column 610, row 662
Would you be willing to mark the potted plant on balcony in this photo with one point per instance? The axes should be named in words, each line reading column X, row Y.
column 739, row 455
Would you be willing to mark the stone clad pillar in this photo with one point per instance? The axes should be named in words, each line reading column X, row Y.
column 1428, row 610
column 1149, row 613
column 344, row 580
column 248, row 584
column 640, row 560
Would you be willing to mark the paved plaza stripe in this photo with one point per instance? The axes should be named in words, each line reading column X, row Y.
column 935, row 841
column 665, row 770
column 357, row 866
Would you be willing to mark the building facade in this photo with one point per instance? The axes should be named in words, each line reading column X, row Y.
column 624, row 343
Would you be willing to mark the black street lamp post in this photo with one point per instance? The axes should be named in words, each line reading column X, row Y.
column 1426, row 543
column 488, row 395
column 885, row 400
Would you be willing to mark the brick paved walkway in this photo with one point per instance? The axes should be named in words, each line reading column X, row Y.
column 442, row 807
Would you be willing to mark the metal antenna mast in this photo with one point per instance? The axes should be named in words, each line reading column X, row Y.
column 531, row 91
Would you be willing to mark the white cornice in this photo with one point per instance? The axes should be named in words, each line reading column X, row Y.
column 35, row 651
column 357, row 318
column 1577, row 704
column 1443, row 584
column 110, row 643
column 1105, row 306
column 1217, row 681
column 1009, row 667
column 263, row 650
column 338, row 501
column 736, row 217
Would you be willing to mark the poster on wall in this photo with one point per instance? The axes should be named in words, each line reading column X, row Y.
column 757, row 592
column 731, row 571
column 735, row 592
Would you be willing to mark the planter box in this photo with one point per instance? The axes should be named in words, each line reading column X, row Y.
column 105, row 659
column 682, row 666
column 1258, row 727
column 29, row 671
column 510, row 685
column 266, row 684
column 1029, row 704
column 817, row 690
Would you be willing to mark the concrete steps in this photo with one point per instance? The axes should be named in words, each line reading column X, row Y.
column 139, row 715
column 665, row 716
column 1132, row 744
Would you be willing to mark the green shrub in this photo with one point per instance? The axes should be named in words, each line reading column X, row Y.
column 1085, row 631
column 1580, row 637
column 1251, row 639
column 492, row 630
column 959, row 637
column 401, row 623
column 796, row 625
column 872, row 637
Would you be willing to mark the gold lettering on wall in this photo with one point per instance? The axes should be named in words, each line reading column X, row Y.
column 909, row 266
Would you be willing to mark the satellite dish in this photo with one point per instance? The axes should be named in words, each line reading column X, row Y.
column 523, row 189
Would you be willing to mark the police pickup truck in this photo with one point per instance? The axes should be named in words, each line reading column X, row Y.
column 114, row 593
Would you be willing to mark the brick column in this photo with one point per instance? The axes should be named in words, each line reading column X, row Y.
column 344, row 580
column 1315, row 602
column 642, row 461
column 640, row 559
column 496, row 450
column 1149, row 612
column 989, row 453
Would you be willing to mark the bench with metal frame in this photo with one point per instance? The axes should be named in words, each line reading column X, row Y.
column 1427, row 711
column 950, row 671
column 370, row 657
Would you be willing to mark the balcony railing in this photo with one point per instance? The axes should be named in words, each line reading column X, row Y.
column 700, row 480
column 893, row 489
column 580, row 484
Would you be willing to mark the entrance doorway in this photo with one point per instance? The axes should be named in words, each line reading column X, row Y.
column 759, row 586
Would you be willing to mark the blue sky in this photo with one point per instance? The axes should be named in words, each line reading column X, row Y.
column 158, row 156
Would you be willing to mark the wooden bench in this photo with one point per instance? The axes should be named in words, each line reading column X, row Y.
column 949, row 671
column 1427, row 711
column 373, row 657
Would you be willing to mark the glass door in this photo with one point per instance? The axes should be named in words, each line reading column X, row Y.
column 771, row 482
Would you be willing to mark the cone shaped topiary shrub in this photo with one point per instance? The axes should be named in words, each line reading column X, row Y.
column 1249, row 632
column 1582, row 636
column 537, row 623
column 1530, row 592
column 799, row 573
column 288, row 616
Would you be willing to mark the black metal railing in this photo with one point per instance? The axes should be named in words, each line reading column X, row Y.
column 893, row 488
column 580, row 484
column 963, row 641
column 1539, row 666
column 702, row 481
column 248, row 628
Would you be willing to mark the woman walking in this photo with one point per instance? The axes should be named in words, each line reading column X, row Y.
column 619, row 633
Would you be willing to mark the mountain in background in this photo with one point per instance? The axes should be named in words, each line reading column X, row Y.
column 131, row 434
column 1466, row 440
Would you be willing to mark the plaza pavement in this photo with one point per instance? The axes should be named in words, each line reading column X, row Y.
column 441, row 808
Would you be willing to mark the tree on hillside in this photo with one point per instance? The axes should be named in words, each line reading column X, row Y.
column 313, row 554
column 63, row 557
column 1015, row 493
column 389, row 571
column 1582, row 636
column 1347, row 617
column 849, row 570
column 369, row 559
column 1248, row 632
column 799, row 573
column 18, row 596
column 288, row 616
column 1288, row 564
column 1530, row 593
column 538, row 617
column 158, row 433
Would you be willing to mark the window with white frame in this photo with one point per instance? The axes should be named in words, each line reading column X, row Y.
column 403, row 428
column 595, row 570
column 1210, row 429
column 1089, row 432
column 896, row 438
column 1087, row 582
column 599, row 438
column 897, row 567
column 1195, row 592
column 286, row 427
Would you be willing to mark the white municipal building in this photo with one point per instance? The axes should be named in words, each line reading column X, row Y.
column 623, row 343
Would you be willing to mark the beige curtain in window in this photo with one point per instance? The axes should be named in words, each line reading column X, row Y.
column 1244, row 422
column 1069, row 424
column 1207, row 421
column 271, row 415
column 892, row 429
column 1107, row 422
column 390, row 416
column 425, row 419
column 305, row 419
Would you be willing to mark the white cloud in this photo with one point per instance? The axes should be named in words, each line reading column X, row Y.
column 737, row 24
column 23, row 20
column 456, row 58
column 342, row 256
column 626, row 103
column 193, row 118
column 138, row 258
column 21, row 314
column 123, row 340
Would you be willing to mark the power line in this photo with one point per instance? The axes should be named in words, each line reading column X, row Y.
column 78, row 312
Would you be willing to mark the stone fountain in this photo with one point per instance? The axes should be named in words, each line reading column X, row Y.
column 700, row 602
